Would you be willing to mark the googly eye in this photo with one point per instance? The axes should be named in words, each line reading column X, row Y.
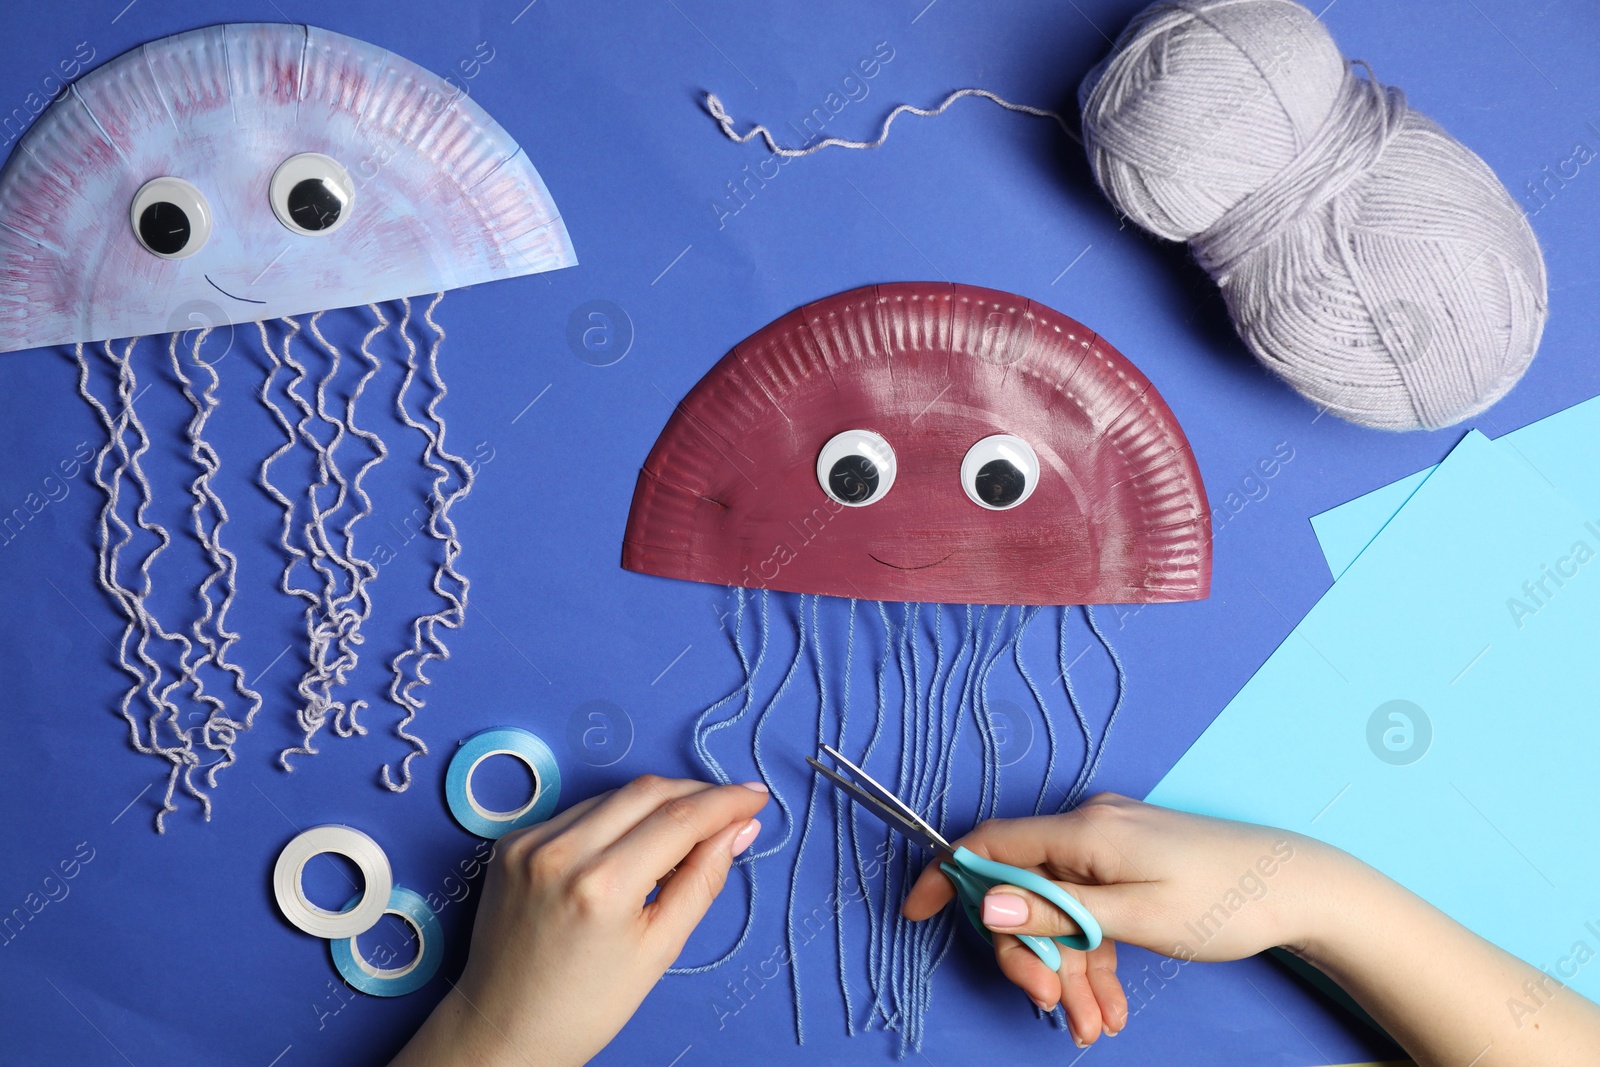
column 999, row 472
column 170, row 218
column 311, row 194
column 856, row 468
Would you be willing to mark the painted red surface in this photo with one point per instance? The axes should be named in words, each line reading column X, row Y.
column 729, row 493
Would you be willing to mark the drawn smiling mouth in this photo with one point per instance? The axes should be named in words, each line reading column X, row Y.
column 224, row 292
column 914, row 566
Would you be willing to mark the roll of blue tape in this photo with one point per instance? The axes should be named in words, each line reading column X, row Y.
column 394, row 981
column 502, row 741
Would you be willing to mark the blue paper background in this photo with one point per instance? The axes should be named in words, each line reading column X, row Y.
column 168, row 950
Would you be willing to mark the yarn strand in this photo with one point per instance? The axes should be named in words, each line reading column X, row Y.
column 717, row 111
column 107, row 571
column 220, row 730
column 181, row 752
column 426, row 644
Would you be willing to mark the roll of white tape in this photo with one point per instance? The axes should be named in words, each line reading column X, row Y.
column 358, row 848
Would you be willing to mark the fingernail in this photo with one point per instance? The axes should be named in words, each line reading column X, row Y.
column 1080, row 1042
column 1041, row 1005
column 745, row 836
column 1110, row 1032
column 758, row 787
column 1004, row 910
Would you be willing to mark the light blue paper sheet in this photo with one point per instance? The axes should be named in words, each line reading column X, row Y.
column 1564, row 449
column 1343, row 532
column 1495, row 823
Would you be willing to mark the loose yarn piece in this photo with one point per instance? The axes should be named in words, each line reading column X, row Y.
column 714, row 107
column 1366, row 256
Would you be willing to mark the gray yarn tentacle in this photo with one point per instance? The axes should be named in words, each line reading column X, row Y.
column 915, row 742
column 941, row 934
column 294, row 553
column 751, row 858
column 319, row 631
column 905, row 659
column 875, row 929
column 426, row 643
column 220, row 731
column 182, row 755
column 355, row 571
column 398, row 694
column 931, row 940
column 922, row 716
column 998, row 646
column 1077, row 710
column 714, row 107
column 784, row 808
column 364, row 570
column 702, row 729
column 336, row 571
column 751, row 666
column 323, row 671
column 132, row 600
column 107, row 570
column 226, row 638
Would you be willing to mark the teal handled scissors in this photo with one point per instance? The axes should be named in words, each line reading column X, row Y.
column 972, row 874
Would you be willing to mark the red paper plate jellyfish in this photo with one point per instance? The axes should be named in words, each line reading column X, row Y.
column 967, row 453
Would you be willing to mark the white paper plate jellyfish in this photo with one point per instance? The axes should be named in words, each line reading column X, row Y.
column 259, row 174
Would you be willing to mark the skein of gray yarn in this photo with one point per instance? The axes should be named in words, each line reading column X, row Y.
column 1365, row 255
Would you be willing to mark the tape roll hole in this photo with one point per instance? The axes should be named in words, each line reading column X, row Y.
column 327, row 881
column 502, row 789
column 391, row 949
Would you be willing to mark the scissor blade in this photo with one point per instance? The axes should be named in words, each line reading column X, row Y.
column 913, row 830
column 881, row 792
column 889, row 807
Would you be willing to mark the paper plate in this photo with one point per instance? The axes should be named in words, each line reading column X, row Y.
column 1114, row 513
column 439, row 195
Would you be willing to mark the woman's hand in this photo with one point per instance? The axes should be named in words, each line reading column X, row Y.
column 1184, row 885
column 1206, row 889
column 565, row 946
